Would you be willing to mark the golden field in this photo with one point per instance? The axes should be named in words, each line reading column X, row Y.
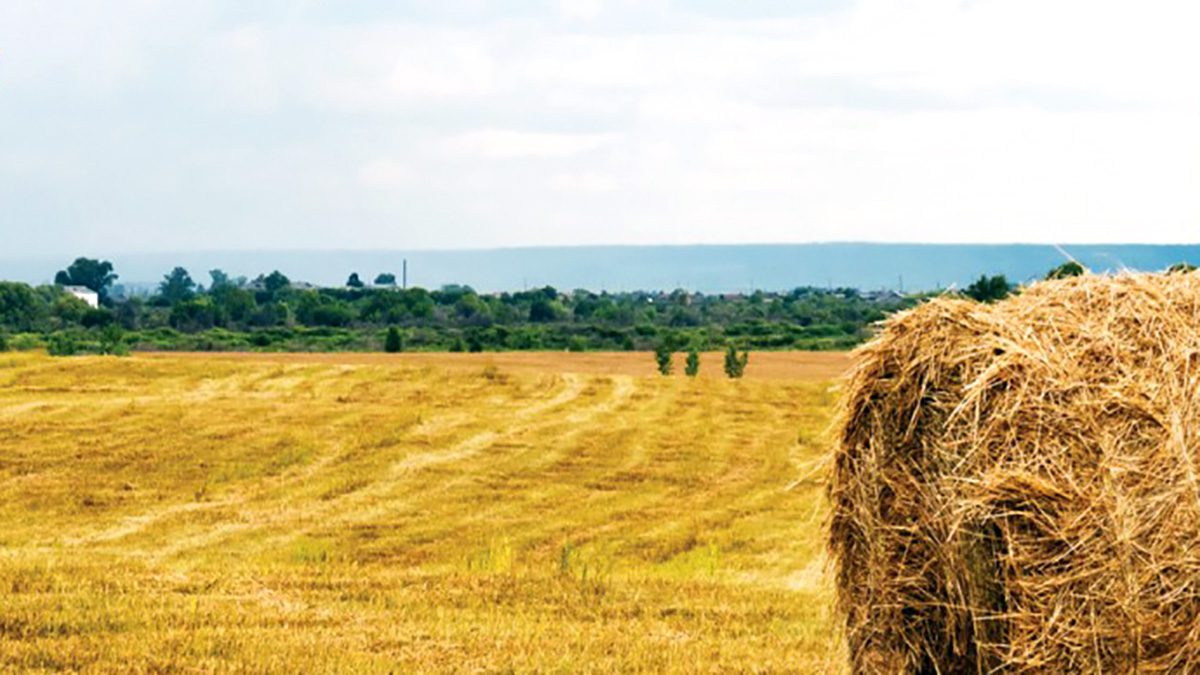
column 371, row 513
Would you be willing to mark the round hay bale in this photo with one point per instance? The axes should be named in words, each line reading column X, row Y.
column 1017, row 486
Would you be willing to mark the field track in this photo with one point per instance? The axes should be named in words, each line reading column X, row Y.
column 372, row 513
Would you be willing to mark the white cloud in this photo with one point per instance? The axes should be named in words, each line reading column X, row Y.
column 387, row 173
column 599, row 121
column 508, row 144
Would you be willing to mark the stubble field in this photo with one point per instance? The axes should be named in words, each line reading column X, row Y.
column 430, row 513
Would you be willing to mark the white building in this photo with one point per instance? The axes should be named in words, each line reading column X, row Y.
column 85, row 294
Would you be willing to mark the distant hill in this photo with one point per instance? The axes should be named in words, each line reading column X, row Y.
column 711, row 268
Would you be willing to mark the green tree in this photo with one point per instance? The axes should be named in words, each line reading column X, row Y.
column 1181, row 268
column 1067, row 269
column 394, row 343
column 94, row 274
column 989, row 289
column 3, row 342
column 234, row 305
column 735, row 364
column 275, row 282
column 692, row 367
column 385, row 279
column 219, row 279
column 354, row 281
column 177, row 286
column 544, row 310
column 129, row 314
column 662, row 357
column 21, row 309
column 194, row 315
column 97, row 318
column 69, row 309
column 317, row 309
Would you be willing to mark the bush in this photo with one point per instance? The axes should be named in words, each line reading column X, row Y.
column 692, row 367
column 23, row 342
column 662, row 357
column 112, row 341
column 62, row 344
column 735, row 364
column 989, row 289
column 1067, row 269
column 3, row 342
column 394, row 342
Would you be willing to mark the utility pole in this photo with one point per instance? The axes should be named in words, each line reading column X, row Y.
column 404, row 275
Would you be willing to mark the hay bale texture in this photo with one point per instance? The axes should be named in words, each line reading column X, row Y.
column 1017, row 485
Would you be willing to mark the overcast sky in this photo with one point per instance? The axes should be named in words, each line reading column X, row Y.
column 133, row 125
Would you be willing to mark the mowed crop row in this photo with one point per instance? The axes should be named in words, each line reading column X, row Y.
column 305, row 515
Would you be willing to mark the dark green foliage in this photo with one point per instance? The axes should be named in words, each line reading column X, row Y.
column 274, row 282
column 191, row 316
column 1181, row 268
column 1067, row 269
column 177, row 286
column 112, row 341
column 219, row 279
column 272, row 314
column 475, row 342
column 3, row 342
column 989, row 289
column 62, row 344
column 21, row 309
column 96, row 318
column 385, row 279
column 543, row 310
column 692, row 366
column 662, row 357
column 94, row 274
column 394, row 343
column 735, row 364
column 354, row 281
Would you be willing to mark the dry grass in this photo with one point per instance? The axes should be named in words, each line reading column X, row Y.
column 299, row 514
column 773, row 366
column 1016, row 488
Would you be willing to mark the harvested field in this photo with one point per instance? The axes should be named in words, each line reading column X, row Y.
column 316, row 513
column 1016, row 486
column 775, row 366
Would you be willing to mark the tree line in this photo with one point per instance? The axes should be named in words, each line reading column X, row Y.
column 272, row 312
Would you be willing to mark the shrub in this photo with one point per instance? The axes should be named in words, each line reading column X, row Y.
column 735, row 364
column 112, row 341
column 62, row 344
column 1067, row 269
column 692, row 367
column 989, row 289
column 394, row 342
column 662, row 357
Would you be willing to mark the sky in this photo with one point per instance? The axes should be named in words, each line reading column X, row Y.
column 143, row 126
